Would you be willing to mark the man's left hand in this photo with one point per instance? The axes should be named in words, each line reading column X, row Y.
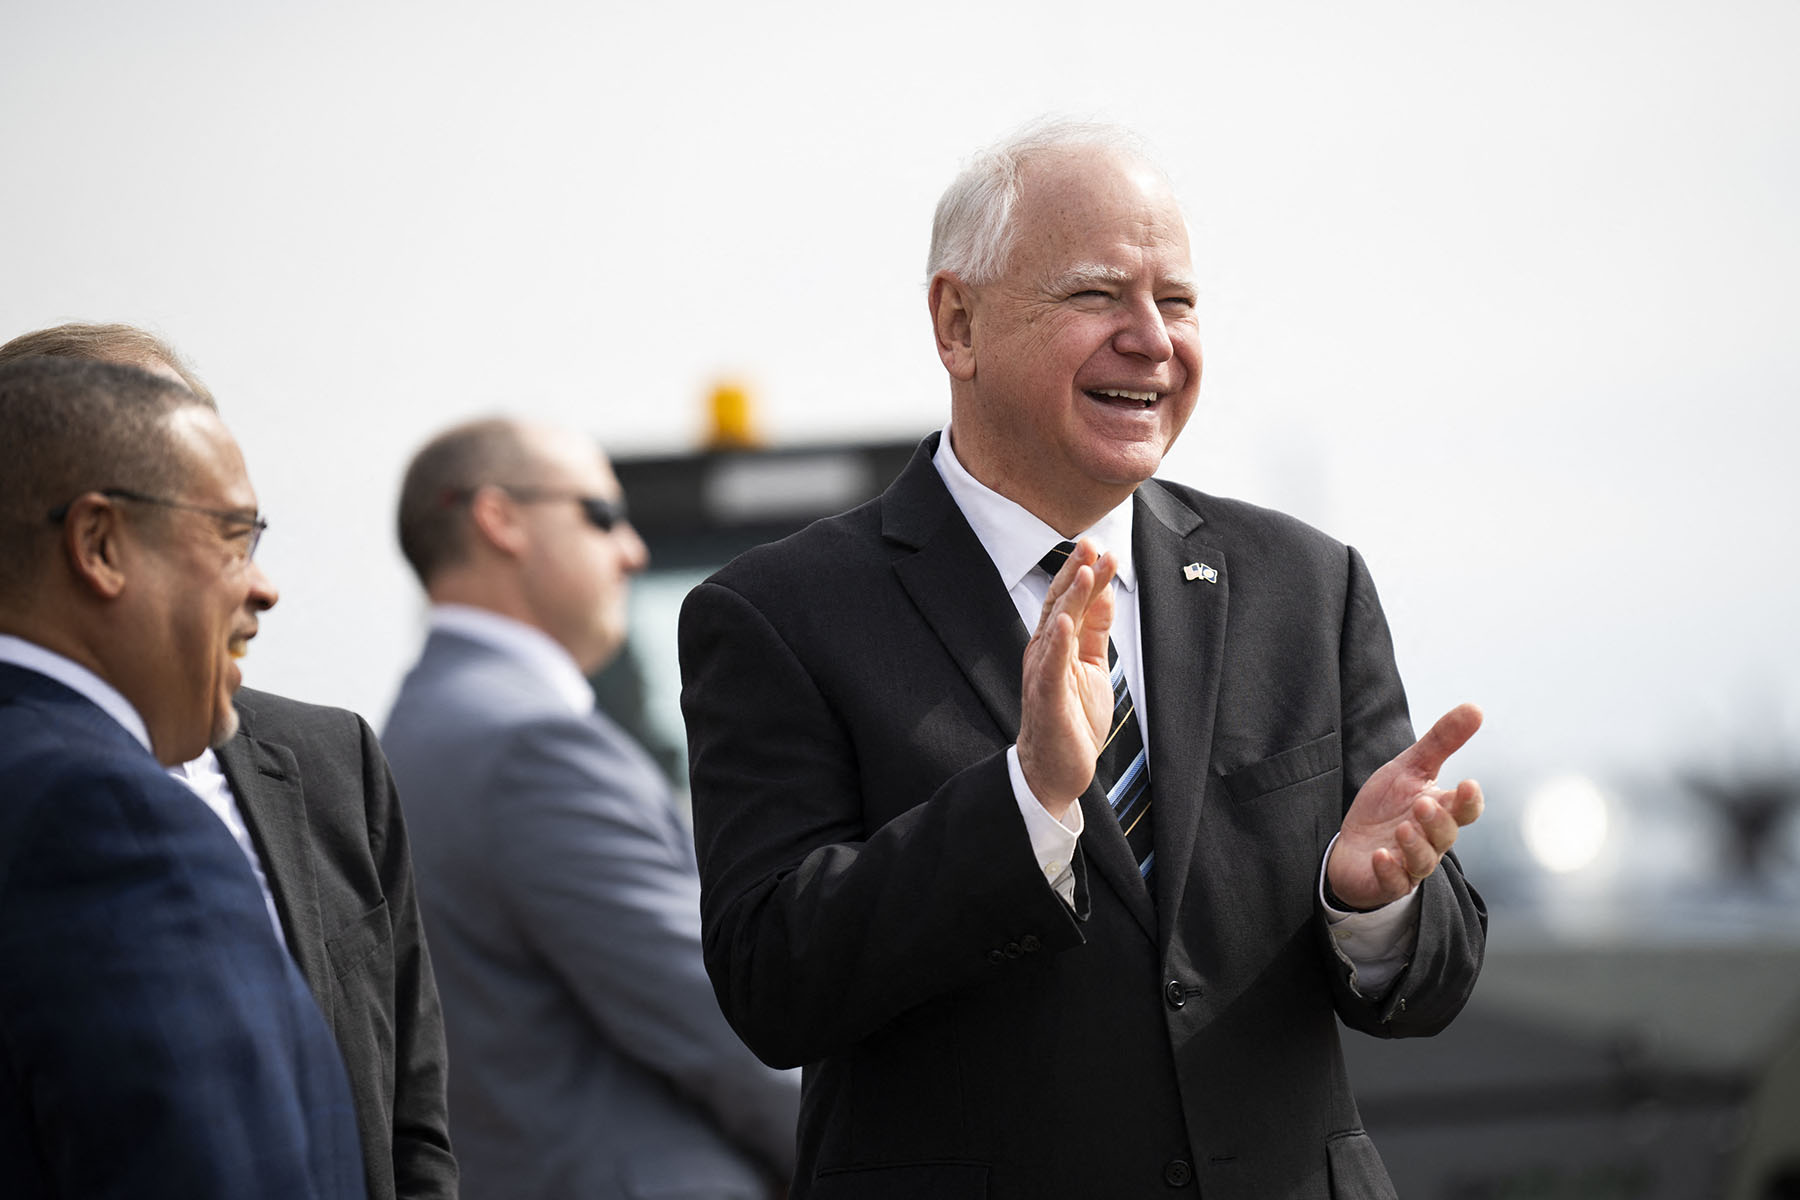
column 1401, row 822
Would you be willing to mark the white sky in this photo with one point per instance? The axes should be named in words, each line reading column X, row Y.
column 1504, row 295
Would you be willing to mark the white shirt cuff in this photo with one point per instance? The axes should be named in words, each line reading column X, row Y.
column 1053, row 841
column 1375, row 945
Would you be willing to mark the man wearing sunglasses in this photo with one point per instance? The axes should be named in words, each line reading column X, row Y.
column 557, row 880
column 157, row 1039
column 306, row 794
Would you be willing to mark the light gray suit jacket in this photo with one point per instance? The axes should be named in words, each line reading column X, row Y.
column 588, row 1054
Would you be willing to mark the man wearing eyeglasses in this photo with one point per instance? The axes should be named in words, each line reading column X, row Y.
column 558, row 882
column 157, row 1039
column 306, row 794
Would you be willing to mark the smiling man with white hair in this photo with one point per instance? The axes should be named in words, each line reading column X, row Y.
column 1051, row 814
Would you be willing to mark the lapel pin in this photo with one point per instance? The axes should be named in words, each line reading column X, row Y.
column 1197, row 570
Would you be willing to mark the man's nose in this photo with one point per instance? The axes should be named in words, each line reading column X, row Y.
column 1145, row 335
column 262, row 589
column 632, row 550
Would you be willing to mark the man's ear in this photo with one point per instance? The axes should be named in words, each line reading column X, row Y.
column 952, row 321
column 496, row 520
column 93, row 542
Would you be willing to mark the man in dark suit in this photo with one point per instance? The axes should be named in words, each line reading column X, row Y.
column 557, row 879
column 154, row 1038
column 307, row 794
column 1039, row 924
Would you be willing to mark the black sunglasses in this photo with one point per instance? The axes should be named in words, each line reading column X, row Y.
column 603, row 514
column 254, row 520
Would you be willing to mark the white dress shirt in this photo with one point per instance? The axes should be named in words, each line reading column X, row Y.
column 205, row 778
column 1375, row 944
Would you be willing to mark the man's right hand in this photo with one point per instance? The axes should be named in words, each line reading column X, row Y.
column 1066, row 696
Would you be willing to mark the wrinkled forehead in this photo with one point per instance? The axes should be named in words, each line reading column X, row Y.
column 1074, row 201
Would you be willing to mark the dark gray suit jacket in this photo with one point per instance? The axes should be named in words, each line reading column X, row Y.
column 872, row 907
column 320, row 804
column 559, row 886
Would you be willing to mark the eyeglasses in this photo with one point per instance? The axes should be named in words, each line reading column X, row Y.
column 255, row 520
column 603, row 514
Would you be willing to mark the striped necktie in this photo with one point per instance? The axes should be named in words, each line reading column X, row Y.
column 1123, row 767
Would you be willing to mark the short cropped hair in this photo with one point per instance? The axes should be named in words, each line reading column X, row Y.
column 72, row 426
column 434, row 513
column 973, row 231
column 124, row 344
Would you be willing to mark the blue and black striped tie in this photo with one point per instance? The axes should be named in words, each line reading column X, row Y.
column 1123, row 767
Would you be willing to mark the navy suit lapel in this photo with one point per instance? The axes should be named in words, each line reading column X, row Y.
column 1183, row 588
column 265, row 778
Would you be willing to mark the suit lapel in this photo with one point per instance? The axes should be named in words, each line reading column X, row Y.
column 955, row 587
column 1182, row 621
column 265, row 778
column 953, row 583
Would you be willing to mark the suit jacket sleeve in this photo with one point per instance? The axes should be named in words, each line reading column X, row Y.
column 597, row 871
column 424, row 1168
column 824, row 921
column 1452, row 935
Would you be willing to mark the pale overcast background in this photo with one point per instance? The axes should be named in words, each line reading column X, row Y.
column 1503, row 294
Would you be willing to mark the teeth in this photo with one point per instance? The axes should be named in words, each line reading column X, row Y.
column 1144, row 398
column 237, row 649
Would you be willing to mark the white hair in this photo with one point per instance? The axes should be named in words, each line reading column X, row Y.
column 973, row 230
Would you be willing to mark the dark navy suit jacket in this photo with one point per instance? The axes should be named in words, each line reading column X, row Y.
column 155, row 1038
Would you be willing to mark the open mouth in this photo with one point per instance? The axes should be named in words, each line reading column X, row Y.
column 238, row 646
column 1124, row 397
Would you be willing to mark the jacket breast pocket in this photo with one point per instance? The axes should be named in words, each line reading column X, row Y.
column 1298, row 764
column 362, row 989
column 362, row 940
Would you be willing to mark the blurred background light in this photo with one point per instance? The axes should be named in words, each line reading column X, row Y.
column 1565, row 823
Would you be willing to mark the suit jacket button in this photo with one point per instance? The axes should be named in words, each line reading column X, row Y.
column 995, row 956
column 1013, row 950
column 1029, row 943
column 1177, row 1173
column 1176, row 995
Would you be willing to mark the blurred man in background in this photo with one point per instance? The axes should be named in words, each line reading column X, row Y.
column 305, row 792
column 158, row 1040
column 557, row 878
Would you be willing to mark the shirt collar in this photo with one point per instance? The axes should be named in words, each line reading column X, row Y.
column 77, row 678
column 526, row 645
column 1016, row 539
